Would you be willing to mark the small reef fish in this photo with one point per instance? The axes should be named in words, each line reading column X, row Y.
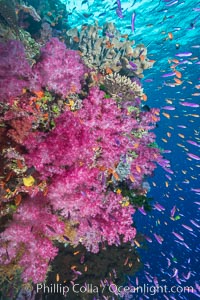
column 133, row 21
column 187, row 227
column 184, row 54
column 173, row 210
column 193, row 143
column 119, row 10
column 158, row 238
column 168, row 74
column 178, row 236
column 190, row 104
column 167, row 107
column 193, row 156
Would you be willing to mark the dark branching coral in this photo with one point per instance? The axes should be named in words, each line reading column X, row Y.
column 81, row 267
column 8, row 15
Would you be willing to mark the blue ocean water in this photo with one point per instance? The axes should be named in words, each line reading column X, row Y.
column 171, row 30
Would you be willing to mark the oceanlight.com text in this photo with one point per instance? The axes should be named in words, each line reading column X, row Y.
column 149, row 289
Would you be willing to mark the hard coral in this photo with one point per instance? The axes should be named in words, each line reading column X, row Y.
column 122, row 88
column 109, row 50
column 8, row 14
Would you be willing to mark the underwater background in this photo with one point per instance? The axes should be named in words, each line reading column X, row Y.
column 168, row 243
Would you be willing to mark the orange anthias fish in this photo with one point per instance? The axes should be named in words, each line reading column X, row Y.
column 124, row 36
column 144, row 97
column 166, row 115
column 170, row 35
column 108, row 71
column 18, row 199
column 109, row 45
column 76, row 39
column 39, row 94
column 178, row 74
column 176, row 61
column 178, row 81
column 142, row 57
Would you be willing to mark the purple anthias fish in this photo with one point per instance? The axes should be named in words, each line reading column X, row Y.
column 178, row 236
column 168, row 170
column 195, row 190
column 119, row 13
column 167, row 151
column 134, row 66
column 173, row 210
column 175, row 272
column 133, row 22
column 190, row 104
column 148, row 238
column 193, row 143
column 187, row 276
column 194, row 223
column 110, row 35
column 158, row 207
column 158, row 238
column 187, row 227
column 191, row 155
column 167, row 107
column 148, row 80
column 168, row 177
column 181, row 126
column 141, row 209
column 169, row 74
column 119, row 9
column 172, row 3
column 184, row 54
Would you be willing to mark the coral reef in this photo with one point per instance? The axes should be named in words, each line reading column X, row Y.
column 78, row 265
column 59, row 69
column 31, row 47
column 109, row 50
column 121, row 88
column 29, row 10
column 8, row 15
column 98, row 215
column 29, row 238
column 14, row 73
column 76, row 148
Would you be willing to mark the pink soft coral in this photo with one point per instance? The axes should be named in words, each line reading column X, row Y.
column 59, row 69
column 31, row 233
column 15, row 71
column 110, row 127
column 66, row 145
column 80, row 196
